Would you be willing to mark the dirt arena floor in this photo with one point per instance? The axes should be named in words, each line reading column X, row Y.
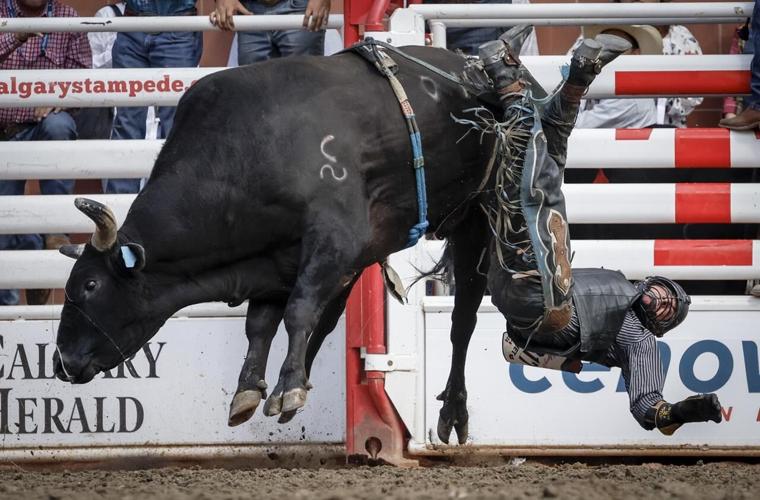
column 719, row 480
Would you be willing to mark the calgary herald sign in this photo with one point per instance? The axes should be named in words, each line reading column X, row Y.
column 176, row 390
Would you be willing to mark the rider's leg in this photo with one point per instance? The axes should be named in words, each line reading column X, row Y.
column 528, row 212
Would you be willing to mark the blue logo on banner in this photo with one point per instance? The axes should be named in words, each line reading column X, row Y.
column 685, row 370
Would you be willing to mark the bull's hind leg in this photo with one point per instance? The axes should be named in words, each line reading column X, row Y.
column 326, row 325
column 468, row 245
column 328, row 267
column 261, row 324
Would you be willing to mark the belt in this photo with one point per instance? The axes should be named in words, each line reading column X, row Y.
column 11, row 130
column 132, row 13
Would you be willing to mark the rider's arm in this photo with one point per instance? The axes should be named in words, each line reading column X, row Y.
column 642, row 371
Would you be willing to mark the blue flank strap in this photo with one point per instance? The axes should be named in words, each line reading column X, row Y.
column 418, row 230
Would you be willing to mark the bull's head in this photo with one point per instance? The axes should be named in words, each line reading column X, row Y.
column 102, row 322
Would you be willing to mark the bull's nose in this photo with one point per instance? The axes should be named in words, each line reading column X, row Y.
column 60, row 372
column 69, row 370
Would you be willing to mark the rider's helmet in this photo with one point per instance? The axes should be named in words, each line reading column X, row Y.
column 663, row 304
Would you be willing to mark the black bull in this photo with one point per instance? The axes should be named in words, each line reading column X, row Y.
column 279, row 183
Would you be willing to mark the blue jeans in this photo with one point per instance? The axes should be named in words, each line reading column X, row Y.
column 469, row 39
column 753, row 47
column 255, row 46
column 149, row 50
column 55, row 127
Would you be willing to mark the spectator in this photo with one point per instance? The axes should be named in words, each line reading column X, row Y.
column 623, row 113
column 256, row 46
column 19, row 51
column 676, row 40
column 151, row 50
column 469, row 39
column 733, row 105
column 749, row 118
column 96, row 123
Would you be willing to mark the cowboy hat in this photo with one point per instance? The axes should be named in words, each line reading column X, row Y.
column 647, row 37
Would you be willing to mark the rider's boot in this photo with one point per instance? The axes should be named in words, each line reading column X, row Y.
column 501, row 62
column 559, row 115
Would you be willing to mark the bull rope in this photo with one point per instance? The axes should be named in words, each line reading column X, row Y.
column 383, row 62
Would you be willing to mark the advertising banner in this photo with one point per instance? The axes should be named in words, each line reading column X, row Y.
column 175, row 391
column 514, row 405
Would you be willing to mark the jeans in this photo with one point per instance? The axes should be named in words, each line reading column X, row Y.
column 256, row 46
column 55, row 127
column 753, row 47
column 469, row 39
column 149, row 50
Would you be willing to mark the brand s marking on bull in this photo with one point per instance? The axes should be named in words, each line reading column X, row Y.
column 332, row 159
column 340, row 178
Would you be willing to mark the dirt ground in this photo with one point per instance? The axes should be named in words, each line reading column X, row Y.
column 527, row 480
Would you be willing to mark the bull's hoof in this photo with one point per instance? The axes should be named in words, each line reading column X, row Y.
column 293, row 400
column 273, row 405
column 243, row 405
column 453, row 415
column 286, row 416
column 444, row 430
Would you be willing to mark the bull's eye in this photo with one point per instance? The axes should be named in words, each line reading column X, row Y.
column 90, row 285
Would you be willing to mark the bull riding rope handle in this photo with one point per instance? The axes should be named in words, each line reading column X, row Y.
column 385, row 65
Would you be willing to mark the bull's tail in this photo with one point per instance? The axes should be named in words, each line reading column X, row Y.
column 442, row 270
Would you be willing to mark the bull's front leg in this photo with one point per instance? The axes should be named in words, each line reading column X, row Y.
column 261, row 324
column 467, row 245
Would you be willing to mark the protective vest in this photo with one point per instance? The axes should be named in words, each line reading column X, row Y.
column 601, row 298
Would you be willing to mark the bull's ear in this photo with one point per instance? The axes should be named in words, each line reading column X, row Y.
column 73, row 251
column 133, row 256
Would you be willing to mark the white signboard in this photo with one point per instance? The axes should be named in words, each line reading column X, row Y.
column 513, row 405
column 175, row 391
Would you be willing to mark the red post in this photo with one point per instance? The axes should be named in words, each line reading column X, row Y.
column 373, row 428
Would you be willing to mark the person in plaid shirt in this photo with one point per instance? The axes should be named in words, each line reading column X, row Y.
column 19, row 51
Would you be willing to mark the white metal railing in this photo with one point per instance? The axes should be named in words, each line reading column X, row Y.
column 440, row 17
column 587, row 148
column 635, row 258
column 590, row 13
column 154, row 24
column 53, row 311
column 666, row 204
column 84, row 159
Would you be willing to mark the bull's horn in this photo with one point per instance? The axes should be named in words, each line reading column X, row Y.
column 104, row 238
